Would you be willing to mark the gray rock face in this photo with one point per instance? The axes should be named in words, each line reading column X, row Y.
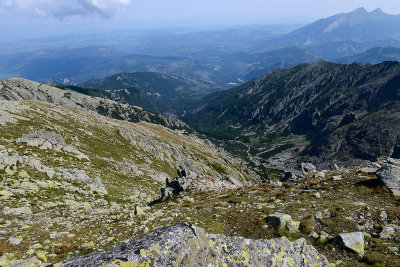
column 352, row 241
column 187, row 245
column 80, row 176
column 390, row 175
column 50, row 140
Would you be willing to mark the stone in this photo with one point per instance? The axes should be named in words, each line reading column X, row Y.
column 25, row 227
column 283, row 222
column 352, row 241
column 17, row 211
column 29, row 186
column 87, row 206
column 15, row 241
column 188, row 199
column 36, row 246
column 88, row 245
column 383, row 215
column 319, row 175
column 367, row 170
column 318, row 215
column 80, row 176
column 10, row 170
column 50, row 140
column 308, row 168
column 23, row 174
column 127, row 136
column 359, row 203
column 41, row 256
column 317, row 195
column 393, row 161
column 313, row 234
column 390, row 232
column 5, row 194
column 390, row 175
column 337, row 178
column 324, row 237
column 188, row 245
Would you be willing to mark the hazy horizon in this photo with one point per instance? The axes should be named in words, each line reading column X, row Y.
column 21, row 19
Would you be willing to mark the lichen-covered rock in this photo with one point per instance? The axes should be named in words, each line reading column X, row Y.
column 5, row 194
column 390, row 232
column 352, row 241
column 7, row 260
column 186, row 245
column 80, row 176
column 283, row 221
column 390, row 175
column 17, row 211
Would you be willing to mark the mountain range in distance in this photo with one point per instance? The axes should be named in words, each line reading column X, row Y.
column 210, row 60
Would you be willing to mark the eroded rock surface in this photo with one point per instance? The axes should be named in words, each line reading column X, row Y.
column 50, row 140
column 187, row 245
column 390, row 175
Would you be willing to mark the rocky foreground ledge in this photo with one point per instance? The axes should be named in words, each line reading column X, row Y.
column 188, row 245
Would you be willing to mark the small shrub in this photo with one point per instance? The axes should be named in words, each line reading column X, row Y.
column 375, row 259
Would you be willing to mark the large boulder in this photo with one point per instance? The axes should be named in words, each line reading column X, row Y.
column 308, row 168
column 187, row 245
column 389, row 174
column 352, row 241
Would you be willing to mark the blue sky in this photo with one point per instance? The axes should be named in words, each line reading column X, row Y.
column 49, row 17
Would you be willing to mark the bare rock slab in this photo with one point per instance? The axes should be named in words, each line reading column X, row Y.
column 389, row 174
column 352, row 241
column 187, row 245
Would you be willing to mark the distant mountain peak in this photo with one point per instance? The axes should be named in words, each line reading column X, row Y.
column 360, row 10
column 360, row 26
column 378, row 10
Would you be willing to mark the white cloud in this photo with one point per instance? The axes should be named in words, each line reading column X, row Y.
column 66, row 8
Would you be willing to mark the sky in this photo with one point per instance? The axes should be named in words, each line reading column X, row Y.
column 26, row 18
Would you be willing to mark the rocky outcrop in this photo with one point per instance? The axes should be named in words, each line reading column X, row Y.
column 389, row 174
column 50, row 140
column 188, row 245
column 22, row 89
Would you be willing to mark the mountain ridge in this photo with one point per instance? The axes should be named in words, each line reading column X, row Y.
column 319, row 101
